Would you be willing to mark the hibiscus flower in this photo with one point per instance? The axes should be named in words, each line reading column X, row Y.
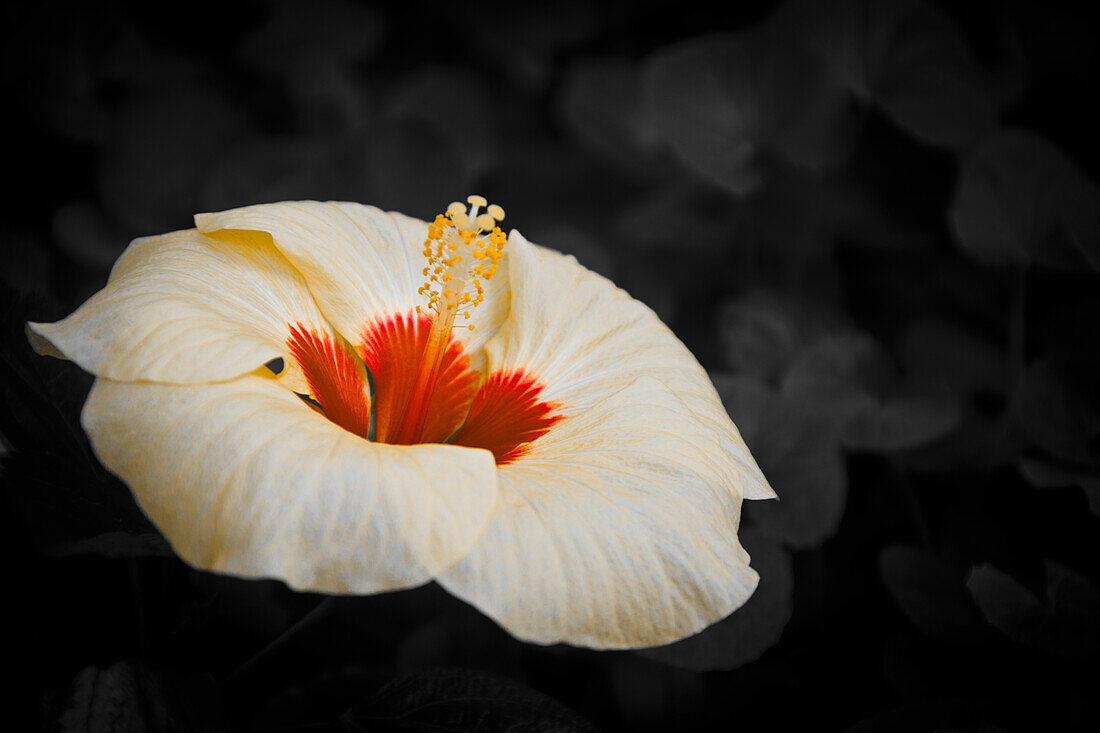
column 356, row 401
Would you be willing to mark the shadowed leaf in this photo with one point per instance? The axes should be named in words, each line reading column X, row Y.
column 938, row 352
column 117, row 544
column 412, row 166
column 1045, row 474
column 462, row 700
column 931, row 595
column 909, row 59
column 799, row 453
column 1053, row 417
column 721, row 100
column 849, row 379
column 129, row 697
column 182, row 130
column 459, row 105
column 1022, row 200
column 330, row 31
column 763, row 332
column 601, row 103
column 1065, row 624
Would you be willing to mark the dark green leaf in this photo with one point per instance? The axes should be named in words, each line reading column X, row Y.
column 601, row 102
column 849, row 380
column 1048, row 474
column 412, row 166
column 462, row 700
column 1022, row 200
column 1065, row 624
column 931, row 595
column 459, row 105
column 908, row 58
column 721, row 100
column 130, row 697
column 115, row 545
column 942, row 353
column 1053, row 417
column 798, row 451
column 182, row 130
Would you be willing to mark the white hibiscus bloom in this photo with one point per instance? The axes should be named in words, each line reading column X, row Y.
column 451, row 405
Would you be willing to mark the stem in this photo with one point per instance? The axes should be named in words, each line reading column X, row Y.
column 282, row 639
column 139, row 607
column 1017, row 351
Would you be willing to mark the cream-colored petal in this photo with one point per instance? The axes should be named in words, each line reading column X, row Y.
column 360, row 262
column 243, row 478
column 618, row 530
column 585, row 339
column 186, row 308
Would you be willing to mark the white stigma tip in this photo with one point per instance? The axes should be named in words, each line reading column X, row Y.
column 456, row 207
column 496, row 212
column 476, row 200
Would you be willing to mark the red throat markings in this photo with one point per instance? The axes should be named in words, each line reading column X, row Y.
column 507, row 415
column 337, row 380
column 393, row 350
column 503, row 414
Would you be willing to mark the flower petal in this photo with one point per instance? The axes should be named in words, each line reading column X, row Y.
column 617, row 530
column 585, row 339
column 244, row 478
column 337, row 380
column 186, row 308
column 393, row 350
column 361, row 263
column 506, row 416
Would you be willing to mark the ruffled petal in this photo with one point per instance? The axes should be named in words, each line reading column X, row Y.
column 584, row 338
column 186, row 308
column 361, row 263
column 617, row 530
column 244, row 478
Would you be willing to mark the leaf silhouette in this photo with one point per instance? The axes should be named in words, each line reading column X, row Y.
column 798, row 451
column 930, row 594
column 1022, row 200
column 462, row 700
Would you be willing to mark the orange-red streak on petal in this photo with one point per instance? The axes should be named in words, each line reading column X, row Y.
column 336, row 378
column 395, row 350
column 507, row 415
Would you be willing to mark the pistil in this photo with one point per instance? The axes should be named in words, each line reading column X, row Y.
column 462, row 250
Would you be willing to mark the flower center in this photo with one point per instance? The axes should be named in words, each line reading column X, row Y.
column 424, row 388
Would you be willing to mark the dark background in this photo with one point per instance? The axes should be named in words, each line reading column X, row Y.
column 877, row 225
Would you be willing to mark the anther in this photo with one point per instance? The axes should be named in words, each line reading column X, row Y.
column 460, row 219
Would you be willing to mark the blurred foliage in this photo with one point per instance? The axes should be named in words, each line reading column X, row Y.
column 877, row 224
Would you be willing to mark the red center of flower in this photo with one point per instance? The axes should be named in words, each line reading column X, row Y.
column 418, row 399
column 424, row 388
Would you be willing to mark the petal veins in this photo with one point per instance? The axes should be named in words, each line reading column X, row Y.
column 336, row 378
column 393, row 348
column 507, row 415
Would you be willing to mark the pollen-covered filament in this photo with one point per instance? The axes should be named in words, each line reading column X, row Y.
column 462, row 250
